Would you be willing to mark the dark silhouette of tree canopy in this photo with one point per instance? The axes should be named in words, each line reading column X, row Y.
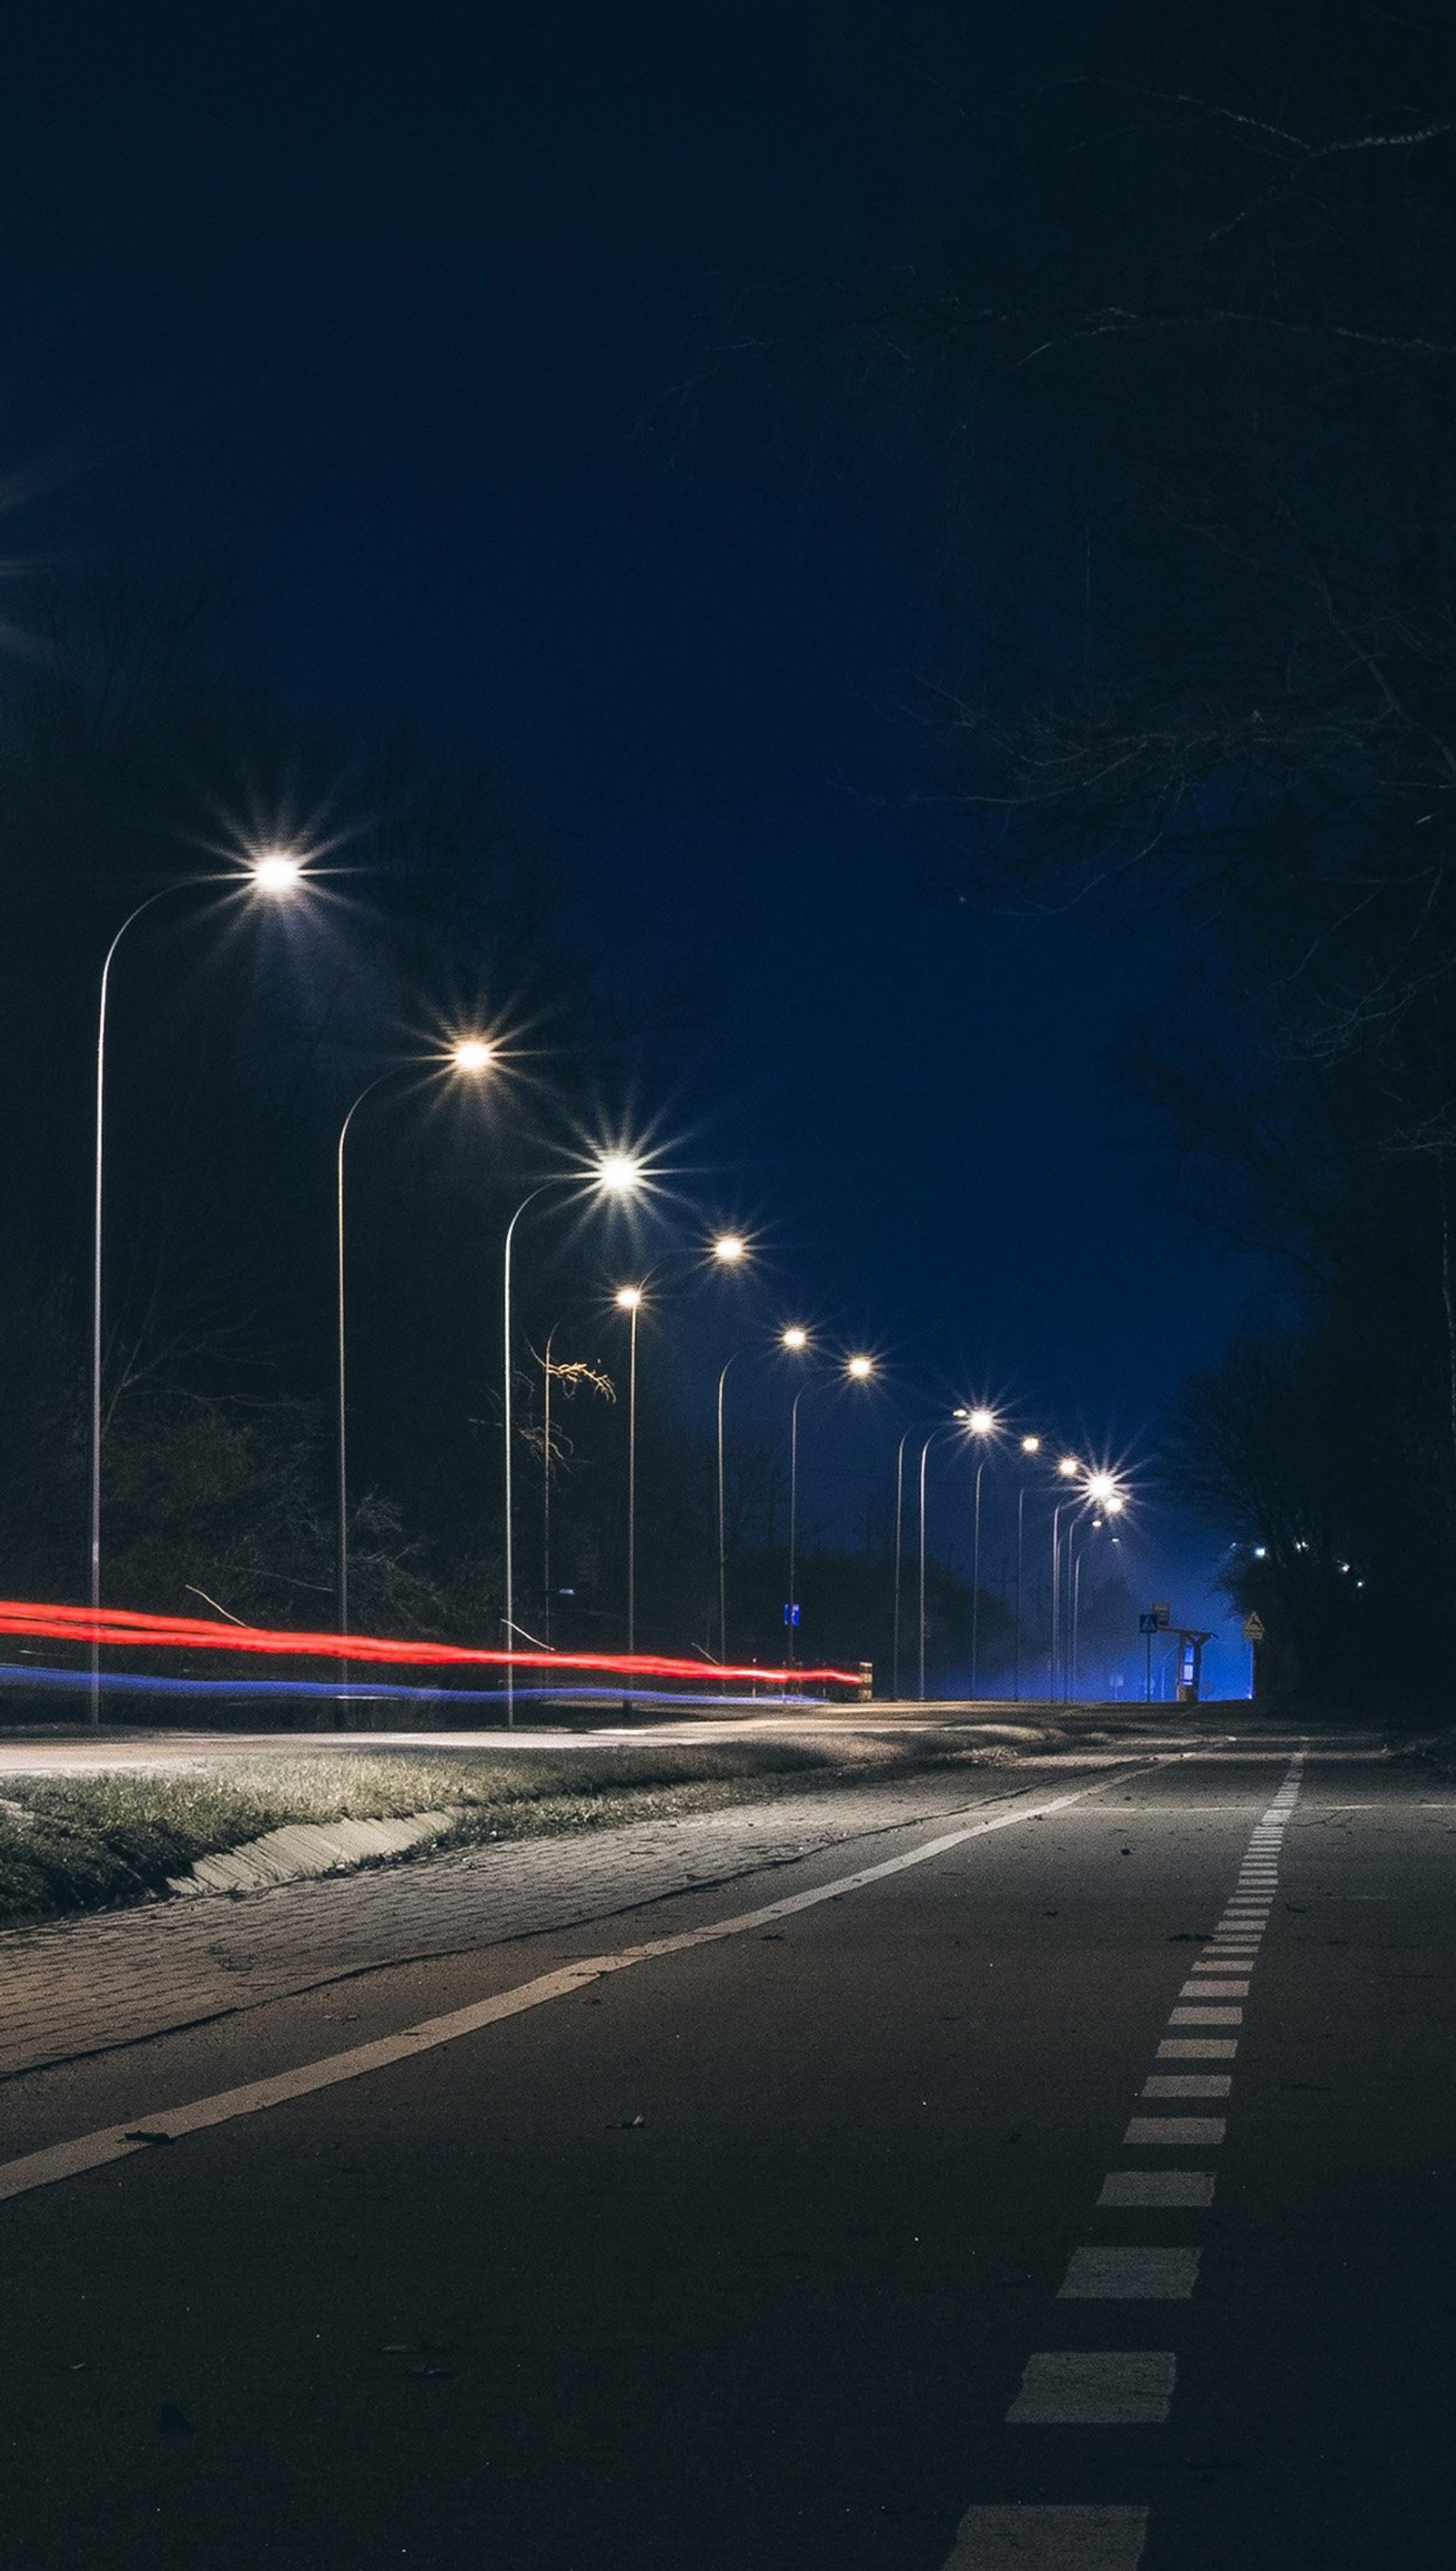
column 1218, row 348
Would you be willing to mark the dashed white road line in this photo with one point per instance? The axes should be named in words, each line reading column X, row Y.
column 1101, row 2274
column 1120, row 2387
column 1157, row 2187
column 1050, row 2539
column 1182, row 2132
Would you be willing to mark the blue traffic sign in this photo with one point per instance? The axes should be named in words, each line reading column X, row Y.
column 790, row 1611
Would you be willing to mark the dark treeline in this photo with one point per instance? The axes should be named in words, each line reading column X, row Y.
column 1210, row 376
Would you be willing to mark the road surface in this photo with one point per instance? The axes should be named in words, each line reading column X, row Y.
column 1062, row 2177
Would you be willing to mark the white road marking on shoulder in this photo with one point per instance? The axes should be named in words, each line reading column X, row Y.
column 1035, row 2538
column 1127, row 2388
column 117, row 2143
column 1098, row 2274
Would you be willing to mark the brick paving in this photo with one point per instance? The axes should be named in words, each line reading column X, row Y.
column 82, row 1987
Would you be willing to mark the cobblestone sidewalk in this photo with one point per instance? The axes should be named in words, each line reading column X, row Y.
column 84, row 1985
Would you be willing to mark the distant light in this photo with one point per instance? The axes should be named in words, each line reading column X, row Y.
column 1260, row 1552
column 1115, row 1504
column 860, row 1369
column 275, row 874
column 472, row 1054
column 1068, row 1466
column 729, row 1247
column 793, row 1338
column 628, row 1297
column 618, row 1172
column 1031, row 1446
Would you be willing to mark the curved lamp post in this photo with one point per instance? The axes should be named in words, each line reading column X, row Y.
column 471, row 1057
column 855, row 1370
column 1069, row 1469
column 274, row 875
column 1029, row 1446
column 613, row 1174
column 795, row 1341
column 982, row 1423
column 727, row 1250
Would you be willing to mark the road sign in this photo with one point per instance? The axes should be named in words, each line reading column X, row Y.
column 1148, row 1624
column 1163, row 1612
column 790, row 1611
column 1254, row 1629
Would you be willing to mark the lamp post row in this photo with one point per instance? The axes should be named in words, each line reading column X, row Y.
column 275, row 875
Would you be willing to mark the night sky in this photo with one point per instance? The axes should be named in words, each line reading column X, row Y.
column 416, row 324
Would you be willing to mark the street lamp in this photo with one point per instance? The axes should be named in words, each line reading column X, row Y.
column 795, row 1341
column 611, row 1173
column 1029, row 1446
column 926, row 1444
column 471, row 1057
column 725, row 1250
column 1068, row 1468
column 1111, row 1506
column 628, row 1300
column 981, row 1424
column 856, row 1369
column 273, row 874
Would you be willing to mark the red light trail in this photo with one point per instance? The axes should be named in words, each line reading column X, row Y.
column 130, row 1627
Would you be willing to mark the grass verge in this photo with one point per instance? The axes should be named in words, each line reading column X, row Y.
column 99, row 1843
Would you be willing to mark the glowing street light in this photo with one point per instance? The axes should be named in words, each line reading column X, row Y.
column 795, row 1341
column 471, row 1057
column 473, row 1054
column 611, row 1174
column 981, row 1422
column 275, row 874
column 628, row 1299
column 856, row 1369
column 1031, row 1446
column 1069, row 1466
column 729, row 1249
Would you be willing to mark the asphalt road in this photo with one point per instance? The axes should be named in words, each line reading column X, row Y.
column 751, row 2255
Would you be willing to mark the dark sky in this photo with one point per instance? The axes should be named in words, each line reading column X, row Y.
column 394, row 315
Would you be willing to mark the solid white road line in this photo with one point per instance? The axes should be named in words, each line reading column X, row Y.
column 1122, row 2187
column 1126, row 2388
column 121, row 2142
column 1035, row 2538
column 1096, row 2275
